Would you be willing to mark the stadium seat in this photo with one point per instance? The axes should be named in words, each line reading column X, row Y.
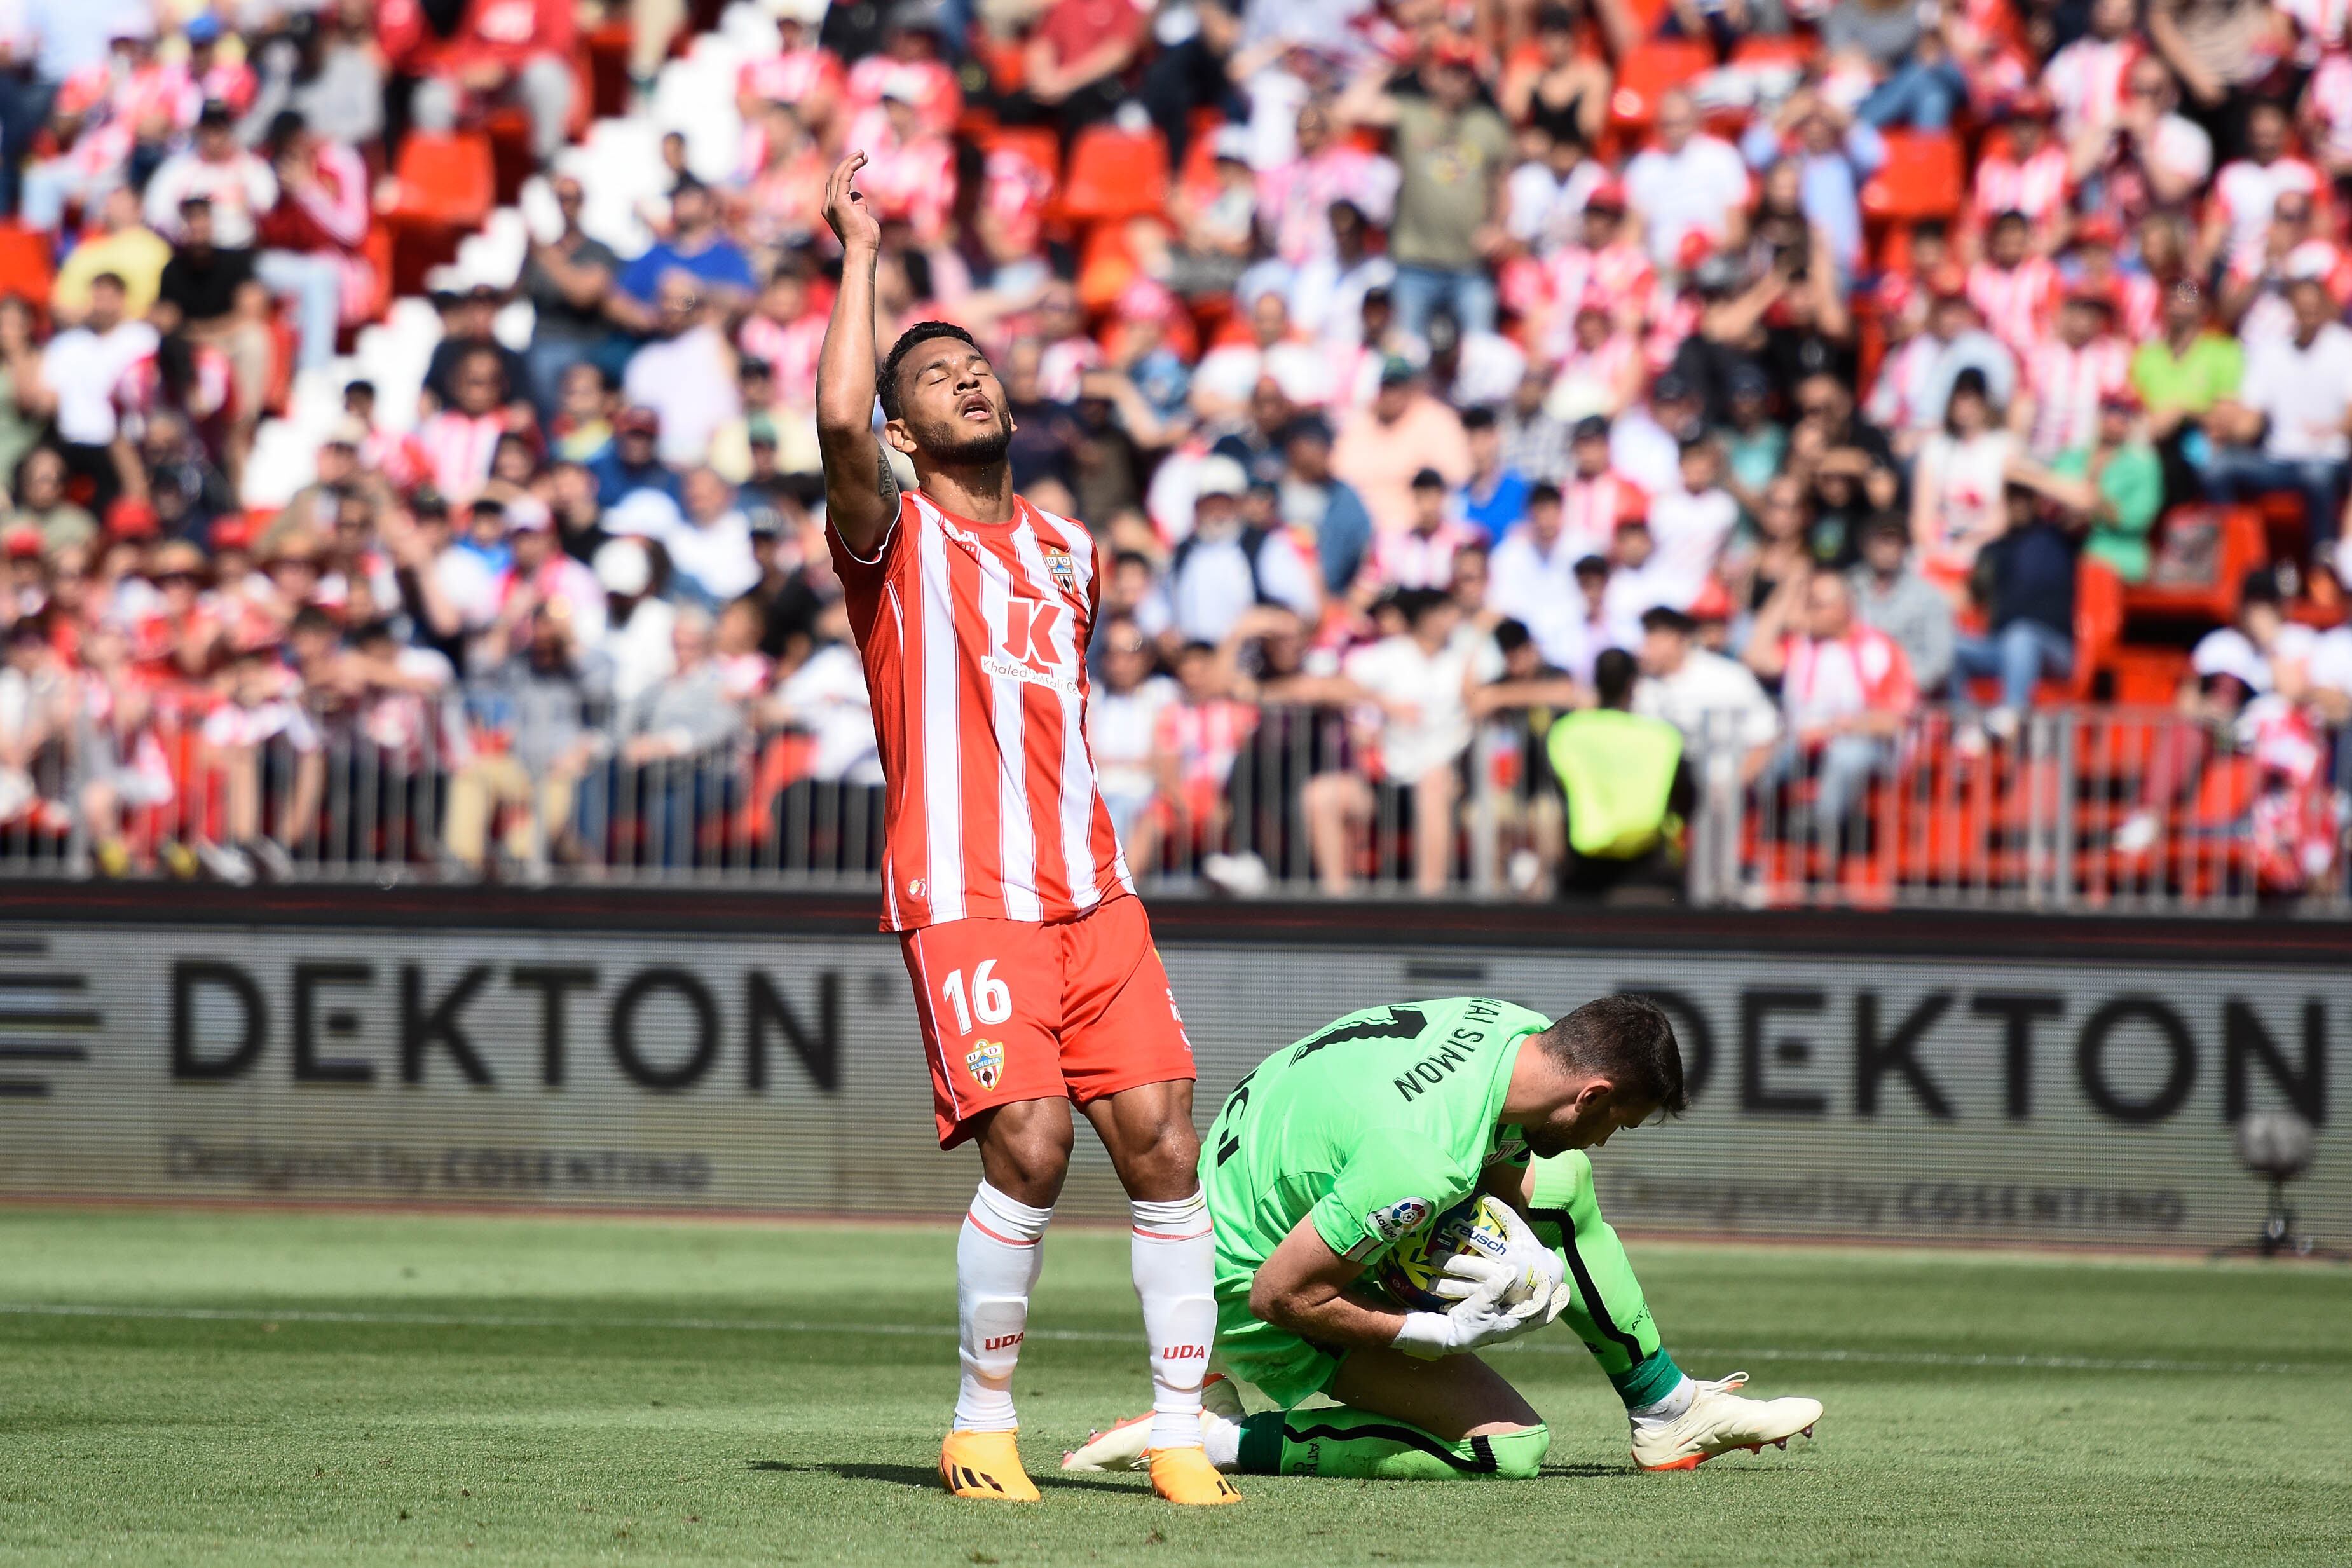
column 1115, row 173
column 1924, row 176
column 2242, row 545
column 1035, row 142
column 448, row 185
column 1649, row 72
column 24, row 268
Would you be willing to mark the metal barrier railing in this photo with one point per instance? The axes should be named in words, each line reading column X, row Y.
column 2111, row 810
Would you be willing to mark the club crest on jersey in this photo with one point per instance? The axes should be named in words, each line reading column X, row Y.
column 1064, row 569
column 985, row 1062
column 1402, row 1217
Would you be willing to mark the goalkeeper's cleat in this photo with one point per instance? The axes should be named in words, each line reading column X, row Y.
column 985, row 1465
column 1185, row 1475
column 1719, row 1420
column 1127, row 1445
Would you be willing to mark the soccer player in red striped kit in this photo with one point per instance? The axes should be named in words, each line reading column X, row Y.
column 1035, row 979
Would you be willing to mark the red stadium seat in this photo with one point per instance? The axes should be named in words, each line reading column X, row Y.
column 448, row 185
column 1924, row 176
column 24, row 268
column 1649, row 72
column 1116, row 173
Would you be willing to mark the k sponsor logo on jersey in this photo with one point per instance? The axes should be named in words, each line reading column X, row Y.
column 1400, row 1218
column 1029, row 653
column 985, row 1062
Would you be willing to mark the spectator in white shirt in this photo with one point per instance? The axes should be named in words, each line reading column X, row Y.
column 710, row 547
column 1121, row 719
column 2287, row 428
column 1688, row 184
column 1691, row 524
column 1716, row 701
column 686, row 374
column 1220, row 568
column 239, row 185
column 1422, row 677
column 83, row 369
column 1532, row 574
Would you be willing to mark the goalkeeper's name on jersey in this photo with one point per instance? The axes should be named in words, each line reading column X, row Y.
column 1434, row 1069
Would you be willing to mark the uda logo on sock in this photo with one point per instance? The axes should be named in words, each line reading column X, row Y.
column 985, row 1062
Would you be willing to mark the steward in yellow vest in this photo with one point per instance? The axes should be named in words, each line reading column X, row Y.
column 1626, row 785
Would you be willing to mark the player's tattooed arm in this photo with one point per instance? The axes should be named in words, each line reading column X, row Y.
column 859, row 509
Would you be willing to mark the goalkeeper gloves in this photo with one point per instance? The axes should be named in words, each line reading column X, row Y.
column 1481, row 1317
column 1541, row 1270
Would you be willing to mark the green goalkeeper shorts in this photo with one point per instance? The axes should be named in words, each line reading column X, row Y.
column 1285, row 1368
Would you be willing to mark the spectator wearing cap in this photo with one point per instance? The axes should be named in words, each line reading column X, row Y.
column 1421, row 556
column 478, row 53
column 538, row 576
column 1494, row 497
column 2286, row 429
column 568, row 279
column 1319, row 506
column 313, row 236
column 633, row 462
column 1688, row 183
column 1402, row 431
column 1890, row 594
column 81, row 371
column 2068, row 375
column 1846, row 691
column 686, row 374
column 699, row 246
column 1454, row 155
column 638, row 621
column 1220, row 568
column 1714, row 700
column 124, row 245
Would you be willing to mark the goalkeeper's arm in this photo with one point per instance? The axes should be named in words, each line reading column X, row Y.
column 1309, row 1290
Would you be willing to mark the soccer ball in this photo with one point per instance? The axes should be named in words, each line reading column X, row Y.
column 1415, row 1266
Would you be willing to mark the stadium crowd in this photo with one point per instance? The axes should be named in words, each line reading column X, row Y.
column 1426, row 371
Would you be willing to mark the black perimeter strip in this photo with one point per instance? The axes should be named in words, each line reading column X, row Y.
column 1480, row 1463
column 1355, row 926
column 1601, row 1318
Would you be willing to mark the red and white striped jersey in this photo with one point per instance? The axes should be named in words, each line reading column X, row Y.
column 939, row 101
column 1619, row 277
column 809, row 79
column 2330, row 98
column 2067, row 383
column 2036, row 187
column 2247, row 191
column 1205, row 738
column 454, row 450
column 1294, row 199
column 2016, row 302
column 1415, row 559
column 913, row 179
column 790, row 348
column 1591, row 509
column 2085, row 80
column 974, row 642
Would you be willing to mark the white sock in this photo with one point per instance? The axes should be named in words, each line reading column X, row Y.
column 1222, row 1439
column 1667, row 1407
column 997, row 1259
column 1174, row 1263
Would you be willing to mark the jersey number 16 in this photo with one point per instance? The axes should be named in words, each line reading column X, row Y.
column 991, row 999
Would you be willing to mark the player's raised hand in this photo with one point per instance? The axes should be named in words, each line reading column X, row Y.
column 845, row 210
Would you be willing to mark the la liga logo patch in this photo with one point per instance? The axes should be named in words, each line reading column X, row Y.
column 1402, row 1217
column 985, row 1062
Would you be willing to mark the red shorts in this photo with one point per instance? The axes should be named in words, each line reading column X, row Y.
column 1013, row 1009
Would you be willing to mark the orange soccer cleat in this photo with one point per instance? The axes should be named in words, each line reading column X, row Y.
column 985, row 1465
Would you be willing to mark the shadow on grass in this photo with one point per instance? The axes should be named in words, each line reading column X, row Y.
column 919, row 1478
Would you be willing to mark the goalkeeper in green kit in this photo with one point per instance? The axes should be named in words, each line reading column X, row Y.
column 1337, row 1149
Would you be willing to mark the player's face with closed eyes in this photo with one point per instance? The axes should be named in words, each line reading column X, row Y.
column 952, row 407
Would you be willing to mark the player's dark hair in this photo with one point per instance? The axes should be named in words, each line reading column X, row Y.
column 1627, row 1040
column 913, row 338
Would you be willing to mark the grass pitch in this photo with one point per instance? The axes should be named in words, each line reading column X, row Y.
column 265, row 1389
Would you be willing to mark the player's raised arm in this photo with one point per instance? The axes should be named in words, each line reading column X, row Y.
column 860, row 495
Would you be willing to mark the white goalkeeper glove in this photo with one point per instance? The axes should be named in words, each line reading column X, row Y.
column 1480, row 1318
column 1542, row 1267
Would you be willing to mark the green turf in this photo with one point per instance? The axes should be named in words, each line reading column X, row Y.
column 633, row 1392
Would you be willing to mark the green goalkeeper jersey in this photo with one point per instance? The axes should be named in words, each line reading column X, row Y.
column 1370, row 1125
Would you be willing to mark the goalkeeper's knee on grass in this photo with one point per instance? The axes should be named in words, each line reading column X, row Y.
column 1365, row 1446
